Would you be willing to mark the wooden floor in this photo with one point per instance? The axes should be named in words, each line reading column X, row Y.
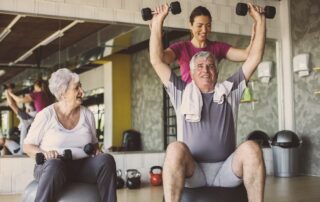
column 297, row 189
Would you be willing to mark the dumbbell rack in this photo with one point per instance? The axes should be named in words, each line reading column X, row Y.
column 316, row 69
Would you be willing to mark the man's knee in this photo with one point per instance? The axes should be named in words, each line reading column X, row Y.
column 177, row 152
column 251, row 150
column 177, row 149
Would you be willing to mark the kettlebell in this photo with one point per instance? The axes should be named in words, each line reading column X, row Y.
column 120, row 181
column 133, row 178
column 155, row 178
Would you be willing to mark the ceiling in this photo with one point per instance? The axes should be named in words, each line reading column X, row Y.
column 27, row 33
column 31, row 42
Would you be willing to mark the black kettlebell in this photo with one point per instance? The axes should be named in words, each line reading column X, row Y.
column 133, row 178
column 147, row 13
column 120, row 181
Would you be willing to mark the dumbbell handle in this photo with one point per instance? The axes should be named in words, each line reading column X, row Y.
column 40, row 158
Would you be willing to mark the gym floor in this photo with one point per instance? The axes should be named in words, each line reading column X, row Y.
column 296, row 189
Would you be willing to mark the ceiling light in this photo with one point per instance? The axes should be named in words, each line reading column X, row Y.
column 2, row 72
column 23, row 57
column 51, row 38
column 4, row 34
column 7, row 30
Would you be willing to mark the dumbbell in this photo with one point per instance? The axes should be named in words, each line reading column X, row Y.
column 6, row 86
column 133, row 178
column 156, row 178
column 147, row 13
column 120, row 181
column 67, row 155
column 89, row 149
column 242, row 9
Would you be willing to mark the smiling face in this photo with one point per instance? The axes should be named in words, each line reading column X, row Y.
column 200, row 28
column 74, row 93
column 204, row 73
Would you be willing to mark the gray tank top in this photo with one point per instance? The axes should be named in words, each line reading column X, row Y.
column 213, row 138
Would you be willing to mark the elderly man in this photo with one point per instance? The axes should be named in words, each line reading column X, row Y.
column 206, row 153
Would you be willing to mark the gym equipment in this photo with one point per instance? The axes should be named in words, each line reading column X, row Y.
column 155, row 178
column 133, row 179
column 215, row 194
column 67, row 155
column 147, row 13
column 76, row 191
column 260, row 137
column 89, row 149
column 242, row 9
column 131, row 140
column 120, row 181
column 6, row 86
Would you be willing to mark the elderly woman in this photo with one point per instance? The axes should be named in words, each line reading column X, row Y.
column 68, row 125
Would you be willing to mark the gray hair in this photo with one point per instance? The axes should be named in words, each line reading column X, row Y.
column 60, row 80
column 201, row 54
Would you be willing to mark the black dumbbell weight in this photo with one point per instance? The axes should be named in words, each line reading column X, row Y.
column 6, row 86
column 120, row 181
column 67, row 155
column 89, row 149
column 147, row 13
column 242, row 9
column 133, row 178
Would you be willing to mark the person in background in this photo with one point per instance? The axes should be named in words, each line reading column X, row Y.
column 25, row 116
column 200, row 27
column 206, row 153
column 41, row 97
column 66, row 124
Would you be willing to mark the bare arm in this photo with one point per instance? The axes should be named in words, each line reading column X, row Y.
column 257, row 49
column 31, row 149
column 156, row 49
column 240, row 55
column 26, row 99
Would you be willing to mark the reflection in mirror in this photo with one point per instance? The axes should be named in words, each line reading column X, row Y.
column 120, row 85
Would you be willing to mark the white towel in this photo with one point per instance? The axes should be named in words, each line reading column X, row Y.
column 191, row 105
column 221, row 90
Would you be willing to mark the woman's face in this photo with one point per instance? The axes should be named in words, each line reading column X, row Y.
column 200, row 28
column 74, row 93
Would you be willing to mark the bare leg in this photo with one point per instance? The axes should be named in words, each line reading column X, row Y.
column 248, row 163
column 178, row 165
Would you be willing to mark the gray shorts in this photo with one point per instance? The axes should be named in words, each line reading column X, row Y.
column 217, row 174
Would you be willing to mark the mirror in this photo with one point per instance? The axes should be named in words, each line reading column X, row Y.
column 39, row 46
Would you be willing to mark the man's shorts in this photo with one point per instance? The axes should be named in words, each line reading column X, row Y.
column 217, row 174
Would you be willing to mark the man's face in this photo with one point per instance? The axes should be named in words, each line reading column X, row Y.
column 205, row 74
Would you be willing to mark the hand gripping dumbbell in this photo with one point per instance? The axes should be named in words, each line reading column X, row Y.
column 120, row 181
column 156, row 178
column 67, row 155
column 133, row 178
column 242, row 9
column 147, row 13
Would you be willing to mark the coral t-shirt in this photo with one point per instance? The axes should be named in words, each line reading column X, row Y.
column 184, row 51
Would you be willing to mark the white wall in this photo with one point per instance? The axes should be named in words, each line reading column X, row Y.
column 17, row 172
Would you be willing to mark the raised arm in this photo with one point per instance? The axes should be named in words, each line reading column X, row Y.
column 156, row 49
column 258, row 43
column 238, row 54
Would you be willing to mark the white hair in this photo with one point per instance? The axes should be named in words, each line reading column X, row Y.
column 60, row 80
column 201, row 54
